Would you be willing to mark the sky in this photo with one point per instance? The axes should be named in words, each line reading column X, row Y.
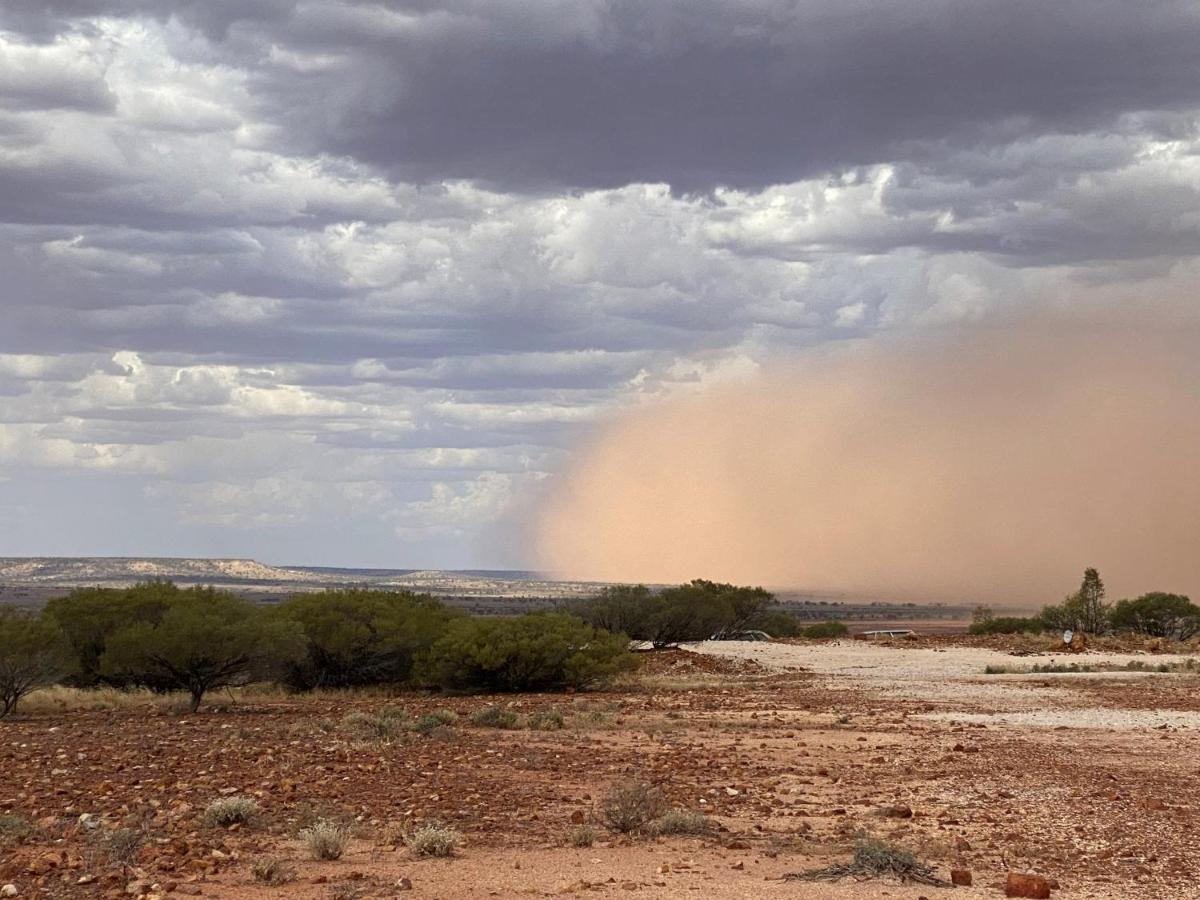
column 348, row 283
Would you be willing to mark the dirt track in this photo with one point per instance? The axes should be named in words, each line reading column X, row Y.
column 791, row 764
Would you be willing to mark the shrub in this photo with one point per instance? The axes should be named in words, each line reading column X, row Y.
column 530, row 652
column 546, row 720
column 824, row 630
column 273, row 870
column 778, row 624
column 359, row 637
column 123, row 844
column 325, row 840
column 1158, row 614
column 226, row 811
column 874, row 859
column 433, row 720
column 434, row 840
column 582, row 835
column 689, row 612
column 373, row 728
column 33, row 653
column 685, row 821
column 13, row 828
column 631, row 806
column 1008, row 625
column 494, row 717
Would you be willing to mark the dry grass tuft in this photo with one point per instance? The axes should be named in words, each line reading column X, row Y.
column 546, row 720
column 685, row 821
column 582, row 835
column 434, row 840
column 226, row 811
column 325, row 840
column 494, row 717
column 274, row 870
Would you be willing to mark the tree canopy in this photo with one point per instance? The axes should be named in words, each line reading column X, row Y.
column 204, row 640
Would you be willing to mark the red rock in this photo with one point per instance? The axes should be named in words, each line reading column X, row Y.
column 1024, row 885
column 961, row 877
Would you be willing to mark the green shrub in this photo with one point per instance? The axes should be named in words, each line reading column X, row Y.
column 530, row 652
column 546, row 720
column 1008, row 625
column 824, row 630
column 688, row 612
column 778, row 624
column 432, row 720
column 358, row 637
column 494, row 717
column 1158, row 614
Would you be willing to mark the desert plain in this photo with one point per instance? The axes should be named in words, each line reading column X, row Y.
column 950, row 747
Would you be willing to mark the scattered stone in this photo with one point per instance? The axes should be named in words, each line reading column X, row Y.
column 404, row 884
column 960, row 877
column 9, row 890
column 899, row 811
column 1024, row 885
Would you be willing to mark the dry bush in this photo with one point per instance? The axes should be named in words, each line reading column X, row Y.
column 874, row 859
column 226, row 811
column 325, row 839
column 274, row 870
column 494, row 717
column 367, row 727
column 582, row 835
column 685, row 821
column 631, row 806
column 434, row 840
column 123, row 844
column 14, row 829
column 546, row 720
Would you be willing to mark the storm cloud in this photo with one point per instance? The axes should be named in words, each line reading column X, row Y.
column 278, row 269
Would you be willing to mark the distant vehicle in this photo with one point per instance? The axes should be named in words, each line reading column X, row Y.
column 740, row 636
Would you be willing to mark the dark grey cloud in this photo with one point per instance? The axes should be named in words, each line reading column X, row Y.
column 275, row 264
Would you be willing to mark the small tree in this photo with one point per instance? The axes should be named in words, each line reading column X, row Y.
column 33, row 653
column 1093, row 611
column 1084, row 610
column 205, row 640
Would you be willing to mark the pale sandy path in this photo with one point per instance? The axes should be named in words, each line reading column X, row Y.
column 954, row 679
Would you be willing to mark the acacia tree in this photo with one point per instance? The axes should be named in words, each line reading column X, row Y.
column 33, row 653
column 205, row 640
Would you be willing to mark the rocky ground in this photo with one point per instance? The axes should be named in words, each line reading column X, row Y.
column 794, row 750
